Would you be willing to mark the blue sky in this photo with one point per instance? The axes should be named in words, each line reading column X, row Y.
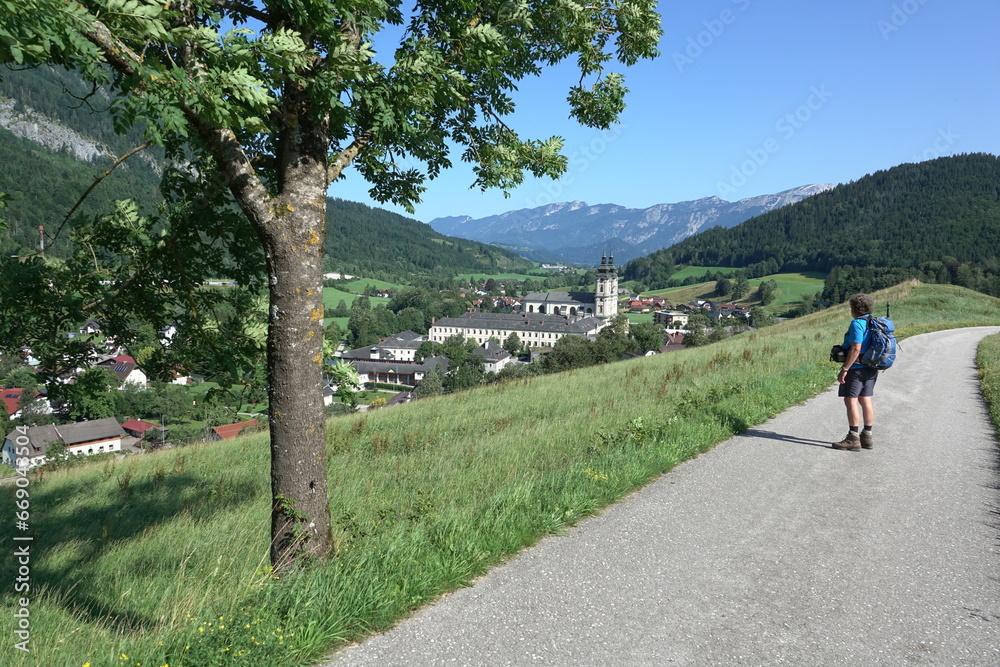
column 752, row 97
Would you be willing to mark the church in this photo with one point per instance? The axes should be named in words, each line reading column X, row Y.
column 545, row 316
column 603, row 303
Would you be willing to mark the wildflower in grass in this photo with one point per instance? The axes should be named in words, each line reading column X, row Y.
column 594, row 474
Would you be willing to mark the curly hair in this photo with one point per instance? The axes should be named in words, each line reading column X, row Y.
column 862, row 304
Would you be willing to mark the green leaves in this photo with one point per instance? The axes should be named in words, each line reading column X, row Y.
column 600, row 105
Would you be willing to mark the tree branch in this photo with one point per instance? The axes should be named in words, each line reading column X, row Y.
column 348, row 155
column 123, row 59
column 235, row 7
column 97, row 181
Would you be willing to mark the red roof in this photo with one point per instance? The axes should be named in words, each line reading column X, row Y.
column 232, row 430
column 124, row 359
column 10, row 399
column 138, row 425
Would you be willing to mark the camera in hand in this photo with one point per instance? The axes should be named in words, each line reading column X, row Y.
column 838, row 354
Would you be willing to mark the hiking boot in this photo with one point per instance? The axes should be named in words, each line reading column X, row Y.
column 867, row 441
column 850, row 443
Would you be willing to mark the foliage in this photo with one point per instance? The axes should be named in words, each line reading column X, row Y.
column 431, row 385
column 345, row 377
column 22, row 377
column 92, row 395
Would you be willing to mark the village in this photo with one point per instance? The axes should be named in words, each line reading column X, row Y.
column 500, row 331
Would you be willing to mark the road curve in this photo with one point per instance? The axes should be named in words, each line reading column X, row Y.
column 772, row 549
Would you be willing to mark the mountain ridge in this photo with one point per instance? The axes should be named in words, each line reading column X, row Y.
column 571, row 230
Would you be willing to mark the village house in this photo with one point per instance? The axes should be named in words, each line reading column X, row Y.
column 674, row 340
column 388, row 371
column 671, row 319
column 495, row 358
column 126, row 370
column 137, row 428
column 400, row 347
column 30, row 448
column 12, row 402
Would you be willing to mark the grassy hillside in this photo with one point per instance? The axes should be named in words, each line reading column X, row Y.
column 792, row 287
column 162, row 558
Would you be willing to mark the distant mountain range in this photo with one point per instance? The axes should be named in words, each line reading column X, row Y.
column 577, row 232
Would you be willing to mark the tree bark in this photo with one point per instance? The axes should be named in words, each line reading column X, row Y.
column 300, row 516
column 294, row 246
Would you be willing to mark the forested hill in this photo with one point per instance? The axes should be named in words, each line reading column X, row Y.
column 372, row 242
column 937, row 220
column 57, row 136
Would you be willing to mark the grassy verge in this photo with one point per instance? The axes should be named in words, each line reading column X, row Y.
column 161, row 559
column 988, row 361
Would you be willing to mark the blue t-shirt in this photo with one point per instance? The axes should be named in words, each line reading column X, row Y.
column 856, row 334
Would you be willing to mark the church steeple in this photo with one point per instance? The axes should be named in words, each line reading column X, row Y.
column 606, row 293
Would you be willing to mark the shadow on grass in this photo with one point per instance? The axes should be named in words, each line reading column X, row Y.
column 126, row 512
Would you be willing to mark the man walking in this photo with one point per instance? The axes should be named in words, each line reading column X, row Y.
column 857, row 381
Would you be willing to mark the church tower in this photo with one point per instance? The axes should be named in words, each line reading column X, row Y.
column 606, row 295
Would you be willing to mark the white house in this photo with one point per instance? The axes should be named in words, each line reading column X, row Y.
column 125, row 368
column 400, row 347
column 671, row 319
column 495, row 358
column 536, row 331
column 27, row 448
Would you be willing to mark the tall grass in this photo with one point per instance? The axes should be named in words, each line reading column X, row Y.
column 161, row 559
column 988, row 361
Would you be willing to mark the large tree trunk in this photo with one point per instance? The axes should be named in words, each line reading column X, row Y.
column 294, row 244
column 300, row 517
column 292, row 229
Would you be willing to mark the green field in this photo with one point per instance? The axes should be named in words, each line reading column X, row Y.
column 699, row 271
column 332, row 296
column 361, row 284
column 792, row 287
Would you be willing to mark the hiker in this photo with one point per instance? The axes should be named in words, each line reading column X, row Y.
column 857, row 381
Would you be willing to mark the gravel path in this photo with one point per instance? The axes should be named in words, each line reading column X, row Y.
column 772, row 549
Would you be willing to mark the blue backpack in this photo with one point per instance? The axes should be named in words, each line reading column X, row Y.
column 881, row 337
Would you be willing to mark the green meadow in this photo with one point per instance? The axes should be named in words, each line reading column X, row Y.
column 792, row 287
column 699, row 271
column 332, row 296
column 161, row 559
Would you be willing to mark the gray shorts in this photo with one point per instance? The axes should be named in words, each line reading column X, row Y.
column 859, row 382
